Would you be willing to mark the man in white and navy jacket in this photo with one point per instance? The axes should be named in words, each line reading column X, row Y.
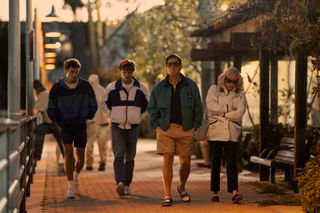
column 125, row 102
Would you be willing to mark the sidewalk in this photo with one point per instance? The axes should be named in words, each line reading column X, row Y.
column 98, row 193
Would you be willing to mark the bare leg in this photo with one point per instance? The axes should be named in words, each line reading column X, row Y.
column 69, row 161
column 80, row 159
column 167, row 173
column 184, row 171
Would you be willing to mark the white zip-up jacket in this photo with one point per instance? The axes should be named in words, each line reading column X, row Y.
column 125, row 108
column 225, row 112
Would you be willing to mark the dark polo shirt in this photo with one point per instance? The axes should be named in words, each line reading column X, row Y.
column 175, row 113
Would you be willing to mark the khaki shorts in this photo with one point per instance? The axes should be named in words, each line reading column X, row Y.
column 175, row 140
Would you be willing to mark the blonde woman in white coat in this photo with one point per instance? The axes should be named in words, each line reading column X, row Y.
column 226, row 104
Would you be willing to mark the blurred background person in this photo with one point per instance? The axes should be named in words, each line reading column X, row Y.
column 98, row 129
column 47, row 126
column 204, row 148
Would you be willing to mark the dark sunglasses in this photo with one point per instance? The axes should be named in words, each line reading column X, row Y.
column 173, row 64
column 231, row 81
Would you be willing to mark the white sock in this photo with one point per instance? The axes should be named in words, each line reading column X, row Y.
column 70, row 183
column 215, row 193
column 234, row 192
column 76, row 175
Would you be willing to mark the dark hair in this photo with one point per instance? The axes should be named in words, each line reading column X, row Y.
column 127, row 64
column 38, row 86
column 174, row 56
column 71, row 62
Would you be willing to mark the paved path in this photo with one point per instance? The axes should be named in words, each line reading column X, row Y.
column 98, row 194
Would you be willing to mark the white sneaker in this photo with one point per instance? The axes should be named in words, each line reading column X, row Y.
column 120, row 189
column 71, row 192
column 76, row 181
column 127, row 190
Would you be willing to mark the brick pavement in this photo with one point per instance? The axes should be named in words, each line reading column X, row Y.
column 97, row 189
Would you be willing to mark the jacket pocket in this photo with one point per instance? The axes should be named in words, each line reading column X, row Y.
column 235, row 129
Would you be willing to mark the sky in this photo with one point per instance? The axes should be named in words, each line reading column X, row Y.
column 110, row 9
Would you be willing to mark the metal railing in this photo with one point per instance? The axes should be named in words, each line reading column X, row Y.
column 16, row 162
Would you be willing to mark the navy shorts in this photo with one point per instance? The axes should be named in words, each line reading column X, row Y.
column 77, row 137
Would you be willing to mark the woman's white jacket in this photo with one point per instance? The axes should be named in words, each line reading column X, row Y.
column 225, row 112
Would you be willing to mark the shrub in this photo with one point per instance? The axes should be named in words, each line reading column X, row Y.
column 309, row 183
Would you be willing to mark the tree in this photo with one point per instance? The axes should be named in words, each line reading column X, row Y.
column 299, row 23
column 299, row 26
column 74, row 4
column 161, row 31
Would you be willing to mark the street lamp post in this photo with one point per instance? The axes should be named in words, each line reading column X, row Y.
column 51, row 40
column 29, row 57
column 14, row 50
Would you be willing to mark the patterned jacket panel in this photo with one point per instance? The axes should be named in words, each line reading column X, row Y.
column 125, row 108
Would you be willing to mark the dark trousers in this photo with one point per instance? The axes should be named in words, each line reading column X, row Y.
column 124, row 143
column 230, row 152
column 40, row 132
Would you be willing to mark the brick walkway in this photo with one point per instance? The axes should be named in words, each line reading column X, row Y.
column 98, row 194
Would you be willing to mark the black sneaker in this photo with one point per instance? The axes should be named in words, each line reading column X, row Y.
column 215, row 198
column 102, row 167
column 89, row 168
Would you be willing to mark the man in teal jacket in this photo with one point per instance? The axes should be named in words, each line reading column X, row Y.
column 175, row 111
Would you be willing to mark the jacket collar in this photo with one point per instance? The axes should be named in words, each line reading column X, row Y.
column 183, row 80
column 224, row 90
column 119, row 83
column 64, row 85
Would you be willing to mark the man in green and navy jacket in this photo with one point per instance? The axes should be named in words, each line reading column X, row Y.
column 175, row 111
column 71, row 102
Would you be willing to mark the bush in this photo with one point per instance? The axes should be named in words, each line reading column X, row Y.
column 309, row 183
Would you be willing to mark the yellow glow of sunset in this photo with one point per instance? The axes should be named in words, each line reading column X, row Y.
column 110, row 9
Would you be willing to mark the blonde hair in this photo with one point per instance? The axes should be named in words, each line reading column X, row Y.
column 231, row 72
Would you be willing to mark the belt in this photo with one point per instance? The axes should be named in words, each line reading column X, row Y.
column 106, row 124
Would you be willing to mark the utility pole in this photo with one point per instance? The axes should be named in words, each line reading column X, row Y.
column 14, row 66
column 29, row 57
column 205, row 15
column 92, row 38
column 99, row 31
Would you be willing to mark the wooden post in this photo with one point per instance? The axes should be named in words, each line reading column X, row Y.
column 274, row 90
column 206, row 71
column 29, row 57
column 264, row 108
column 237, row 62
column 300, row 110
column 216, row 71
column 14, row 60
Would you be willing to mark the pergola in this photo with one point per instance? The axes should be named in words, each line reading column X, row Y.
column 231, row 37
